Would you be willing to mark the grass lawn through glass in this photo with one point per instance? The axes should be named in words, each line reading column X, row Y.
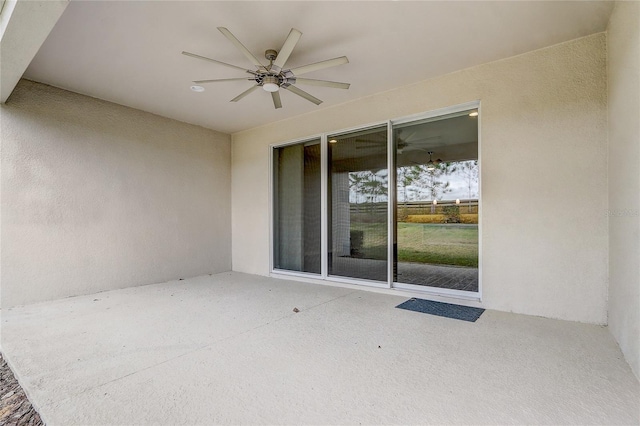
column 440, row 244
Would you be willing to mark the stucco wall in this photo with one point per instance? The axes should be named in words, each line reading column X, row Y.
column 544, row 174
column 97, row 196
column 624, row 179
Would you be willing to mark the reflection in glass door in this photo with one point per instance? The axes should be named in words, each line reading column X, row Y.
column 358, row 204
column 436, row 203
column 396, row 213
column 296, row 207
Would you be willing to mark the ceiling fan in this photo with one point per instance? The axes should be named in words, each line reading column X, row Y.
column 275, row 76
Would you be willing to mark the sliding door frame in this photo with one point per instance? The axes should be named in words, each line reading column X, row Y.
column 391, row 207
column 476, row 295
column 325, row 162
column 272, row 217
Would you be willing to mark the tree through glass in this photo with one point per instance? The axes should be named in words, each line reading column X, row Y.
column 358, row 204
column 434, row 205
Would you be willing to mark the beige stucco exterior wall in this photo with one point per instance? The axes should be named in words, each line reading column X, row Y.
column 624, row 179
column 543, row 173
column 97, row 196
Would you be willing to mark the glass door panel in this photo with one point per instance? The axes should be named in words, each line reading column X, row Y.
column 296, row 205
column 358, row 204
column 436, row 203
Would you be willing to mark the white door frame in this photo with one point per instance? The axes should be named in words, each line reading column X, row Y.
column 324, row 276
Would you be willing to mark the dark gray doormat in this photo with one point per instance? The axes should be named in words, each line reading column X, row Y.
column 448, row 310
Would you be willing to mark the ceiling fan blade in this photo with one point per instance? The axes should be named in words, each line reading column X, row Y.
column 245, row 93
column 287, row 48
column 193, row 55
column 223, row 79
column 323, row 83
column 240, row 47
column 277, row 103
column 422, row 140
column 408, row 138
column 303, row 94
column 320, row 65
column 412, row 148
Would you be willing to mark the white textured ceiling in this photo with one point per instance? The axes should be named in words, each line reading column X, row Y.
column 129, row 52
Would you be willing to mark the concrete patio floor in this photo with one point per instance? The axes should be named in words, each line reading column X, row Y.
column 229, row 349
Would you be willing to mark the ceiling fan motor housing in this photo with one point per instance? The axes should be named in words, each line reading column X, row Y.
column 283, row 79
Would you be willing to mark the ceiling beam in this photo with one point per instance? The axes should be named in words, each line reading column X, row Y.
column 24, row 26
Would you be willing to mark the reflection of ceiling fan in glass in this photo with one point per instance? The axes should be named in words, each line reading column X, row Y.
column 412, row 142
column 431, row 164
column 275, row 76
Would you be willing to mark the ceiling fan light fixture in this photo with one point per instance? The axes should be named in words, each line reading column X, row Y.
column 473, row 114
column 270, row 84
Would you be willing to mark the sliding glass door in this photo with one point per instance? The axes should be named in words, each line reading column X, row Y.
column 392, row 205
column 436, row 226
column 358, row 196
column 296, row 207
